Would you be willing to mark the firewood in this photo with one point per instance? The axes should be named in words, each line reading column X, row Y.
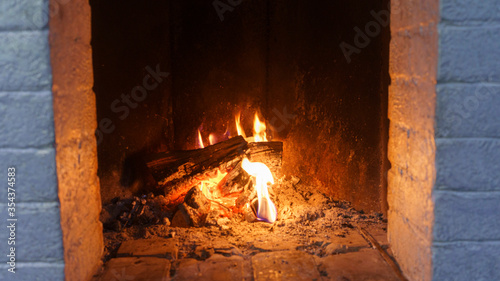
column 195, row 207
column 176, row 172
column 269, row 153
column 235, row 181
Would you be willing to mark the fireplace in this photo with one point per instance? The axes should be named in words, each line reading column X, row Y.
column 262, row 58
column 111, row 84
column 171, row 77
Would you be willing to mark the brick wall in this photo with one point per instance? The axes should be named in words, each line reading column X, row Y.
column 27, row 143
column 467, row 190
column 444, row 184
column 411, row 149
column 76, row 149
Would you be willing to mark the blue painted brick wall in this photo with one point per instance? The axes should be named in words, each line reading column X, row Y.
column 27, row 142
column 467, row 193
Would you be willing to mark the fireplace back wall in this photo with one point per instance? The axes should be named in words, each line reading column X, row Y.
column 130, row 40
column 281, row 59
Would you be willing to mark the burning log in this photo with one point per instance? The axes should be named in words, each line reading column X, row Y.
column 269, row 153
column 235, row 181
column 195, row 208
column 177, row 172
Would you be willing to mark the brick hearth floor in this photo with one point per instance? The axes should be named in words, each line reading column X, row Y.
column 346, row 258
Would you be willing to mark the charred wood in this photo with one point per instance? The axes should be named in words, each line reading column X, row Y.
column 269, row 153
column 176, row 172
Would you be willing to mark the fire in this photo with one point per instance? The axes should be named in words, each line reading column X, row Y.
column 208, row 186
column 200, row 140
column 240, row 130
column 259, row 130
column 211, row 139
column 266, row 210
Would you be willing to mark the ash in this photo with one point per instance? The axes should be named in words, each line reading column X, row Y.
column 308, row 221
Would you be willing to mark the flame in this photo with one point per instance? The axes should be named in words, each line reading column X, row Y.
column 211, row 139
column 200, row 140
column 238, row 125
column 266, row 210
column 208, row 186
column 259, row 130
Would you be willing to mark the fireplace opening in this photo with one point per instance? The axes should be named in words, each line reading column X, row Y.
column 174, row 79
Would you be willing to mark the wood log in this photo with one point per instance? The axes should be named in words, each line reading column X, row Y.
column 176, row 172
column 234, row 181
column 269, row 153
column 195, row 207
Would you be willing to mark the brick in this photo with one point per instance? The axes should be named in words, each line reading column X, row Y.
column 410, row 247
column 38, row 232
column 36, row 178
column 467, row 216
column 411, row 13
column 284, row 265
column 468, row 11
column 465, row 110
column 25, row 61
column 412, row 150
column 413, row 52
column 216, row 267
column 24, row 14
column 468, row 164
column 34, row 272
column 465, row 261
column 26, row 119
column 364, row 265
column 410, row 197
column 139, row 269
column 412, row 102
column 469, row 54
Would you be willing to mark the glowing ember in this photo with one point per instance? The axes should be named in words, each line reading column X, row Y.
column 200, row 140
column 238, row 125
column 212, row 185
column 259, row 130
column 209, row 186
column 266, row 210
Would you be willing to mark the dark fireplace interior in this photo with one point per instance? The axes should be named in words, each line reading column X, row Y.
column 277, row 58
column 164, row 70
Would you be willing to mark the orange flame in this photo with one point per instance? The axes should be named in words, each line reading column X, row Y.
column 200, row 140
column 266, row 210
column 240, row 130
column 211, row 139
column 259, row 130
column 208, row 186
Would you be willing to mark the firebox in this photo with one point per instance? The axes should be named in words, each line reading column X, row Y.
column 188, row 91
column 188, row 80
column 164, row 71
